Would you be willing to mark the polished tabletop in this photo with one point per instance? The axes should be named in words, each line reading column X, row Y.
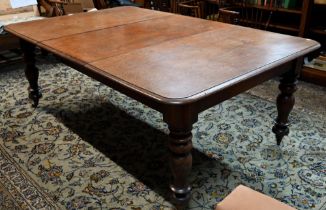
column 177, row 65
column 165, row 56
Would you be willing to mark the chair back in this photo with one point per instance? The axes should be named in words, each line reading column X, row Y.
column 212, row 8
column 245, row 13
column 72, row 8
column 254, row 16
column 192, row 8
column 160, row 5
column 227, row 15
column 52, row 7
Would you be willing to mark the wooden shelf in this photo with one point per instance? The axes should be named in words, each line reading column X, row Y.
column 276, row 9
column 319, row 31
column 279, row 9
column 312, row 75
column 284, row 27
column 293, row 21
column 290, row 28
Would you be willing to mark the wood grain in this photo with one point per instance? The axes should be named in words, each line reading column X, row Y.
column 177, row 65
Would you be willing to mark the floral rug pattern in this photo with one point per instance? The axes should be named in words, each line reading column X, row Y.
column 90, row 147
column 18, row 191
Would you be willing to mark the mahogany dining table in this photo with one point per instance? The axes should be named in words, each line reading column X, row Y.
column 177, row 65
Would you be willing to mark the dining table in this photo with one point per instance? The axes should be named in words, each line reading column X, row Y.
column 177, row 65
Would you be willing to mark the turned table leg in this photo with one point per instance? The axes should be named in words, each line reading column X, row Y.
column 180, row 147
column 31, row 72
column 285, row 102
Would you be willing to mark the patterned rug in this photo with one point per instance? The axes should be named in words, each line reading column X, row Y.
column 89, row 147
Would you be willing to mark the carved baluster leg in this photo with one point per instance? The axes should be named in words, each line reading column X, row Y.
column 180, row 147
column 31, row 72
column 285, row 102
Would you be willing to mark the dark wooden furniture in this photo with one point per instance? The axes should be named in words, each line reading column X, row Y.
column 312, row 75
column 160, row 5
column 228, row 15
column 246, row 15
column 175, row 64
column 193, row 8
column 205, row 9
column 52, row 7
column 317, row 31
column 293, row 20
column 100, row 4
column 317, row 26
column 9, row 44
column 66, row 7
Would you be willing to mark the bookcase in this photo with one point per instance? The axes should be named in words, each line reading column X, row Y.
column 316, row 29
column 317, row 26
column 304, row 18
column 288, row 16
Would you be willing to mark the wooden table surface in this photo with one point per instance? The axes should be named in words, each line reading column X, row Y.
column 178, row 65
column 169, row 56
